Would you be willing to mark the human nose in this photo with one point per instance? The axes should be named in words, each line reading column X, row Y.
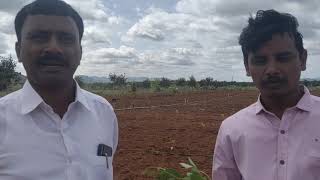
column 53, row 46
column 272, row 68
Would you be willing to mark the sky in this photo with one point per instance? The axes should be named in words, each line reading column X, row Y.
column 170, row 38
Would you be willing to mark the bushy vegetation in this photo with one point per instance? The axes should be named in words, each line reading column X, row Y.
column 8, row 75
column 118, row 80
column 11, row 80
column 164, row 82
column 160, row 173
column 192, row 81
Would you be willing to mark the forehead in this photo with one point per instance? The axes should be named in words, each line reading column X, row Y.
column 50, row 24
column 277, row 44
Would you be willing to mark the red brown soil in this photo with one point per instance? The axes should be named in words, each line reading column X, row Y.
column 166, row 136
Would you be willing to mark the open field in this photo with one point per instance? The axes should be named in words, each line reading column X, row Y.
column 165, row 136
column 153, row 134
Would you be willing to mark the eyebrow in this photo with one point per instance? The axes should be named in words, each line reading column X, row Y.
column 49, row 32
column 258, row 56
column 37, row 31
column 286, row 53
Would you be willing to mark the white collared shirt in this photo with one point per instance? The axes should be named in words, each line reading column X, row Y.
column 36, row 144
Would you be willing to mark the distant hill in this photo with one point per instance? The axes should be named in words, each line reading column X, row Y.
column 98, row 79
column 310, row 79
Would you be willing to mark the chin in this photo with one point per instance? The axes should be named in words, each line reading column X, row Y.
column 53, row 82
column 277, row 93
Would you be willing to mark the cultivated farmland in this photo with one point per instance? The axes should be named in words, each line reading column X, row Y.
column 161, row 135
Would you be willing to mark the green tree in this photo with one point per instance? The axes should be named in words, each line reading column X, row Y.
column 146, row 84
column 134, row 87
column 7, row 72
column 118, row 80
column 181, row 82
column 206, row 82
column 164, row 82
column 192, row 81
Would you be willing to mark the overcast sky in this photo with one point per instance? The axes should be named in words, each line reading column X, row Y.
column 170, row 38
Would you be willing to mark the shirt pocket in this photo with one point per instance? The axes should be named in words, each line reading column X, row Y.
column 98, row 168
column 313, row 147
column 312, row 155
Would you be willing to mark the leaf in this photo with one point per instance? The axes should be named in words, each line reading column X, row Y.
column 186, row 178
column 196, row 176
column 192, row 163
column 171, row 174
column 168, row 174
column 185, row 165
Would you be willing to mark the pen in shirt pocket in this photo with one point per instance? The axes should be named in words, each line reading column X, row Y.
column 104, row 150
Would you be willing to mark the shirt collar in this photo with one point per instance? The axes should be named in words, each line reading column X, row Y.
column 81, row 97
column 304, row 103
column 31, row 99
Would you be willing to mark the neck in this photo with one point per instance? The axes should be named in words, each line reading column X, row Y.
column 58, row 97
column 278, row 104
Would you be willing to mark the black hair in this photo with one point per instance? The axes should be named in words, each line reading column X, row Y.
column 261, row 29
column 47, row 7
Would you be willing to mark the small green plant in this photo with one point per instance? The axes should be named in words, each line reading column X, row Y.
column 193, row 173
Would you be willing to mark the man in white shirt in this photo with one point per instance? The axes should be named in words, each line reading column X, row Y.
column 51, row 128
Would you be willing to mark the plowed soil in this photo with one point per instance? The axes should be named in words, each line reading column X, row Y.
column 153, row 134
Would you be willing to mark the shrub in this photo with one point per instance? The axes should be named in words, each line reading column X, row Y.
column 7, row 72
column 146, row 84
column 118, row 80
column 164, row 82
column 181, row 82
column 171, row 174
column 206, row 82
column 133, row 87
column 192, row 82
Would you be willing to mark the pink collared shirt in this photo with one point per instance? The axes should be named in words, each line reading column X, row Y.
column 254, row 144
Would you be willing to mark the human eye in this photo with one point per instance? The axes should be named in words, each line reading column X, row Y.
column 39, row 37
column 67, row 38
column 258, row 61
column 285, row 57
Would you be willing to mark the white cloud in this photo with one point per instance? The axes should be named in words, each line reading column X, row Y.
column 198, row 37
column 112, row 55
column 6, row 23
column 12, row 6
column 158, row 24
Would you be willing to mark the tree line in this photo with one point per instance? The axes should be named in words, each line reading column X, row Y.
column 9, row 76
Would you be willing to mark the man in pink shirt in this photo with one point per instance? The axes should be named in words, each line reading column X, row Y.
column 277, row 137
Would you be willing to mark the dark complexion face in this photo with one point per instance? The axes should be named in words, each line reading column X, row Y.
column 276, row 66
column 50, row 50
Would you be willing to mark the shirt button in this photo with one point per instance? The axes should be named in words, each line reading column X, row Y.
column 282, row 131
column 282, row 162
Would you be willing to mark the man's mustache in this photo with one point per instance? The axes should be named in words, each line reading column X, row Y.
column 274, row 79
column 52, row 59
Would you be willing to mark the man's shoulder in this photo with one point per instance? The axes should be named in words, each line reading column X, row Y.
column 10, row 98
column 96, row 99
column 315, row 104
column 315, row 98
column 242, row 117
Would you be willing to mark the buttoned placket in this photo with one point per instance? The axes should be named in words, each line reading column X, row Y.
column 73, row 170
column 281, row 127
column 283, row 144
column 282, row 148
